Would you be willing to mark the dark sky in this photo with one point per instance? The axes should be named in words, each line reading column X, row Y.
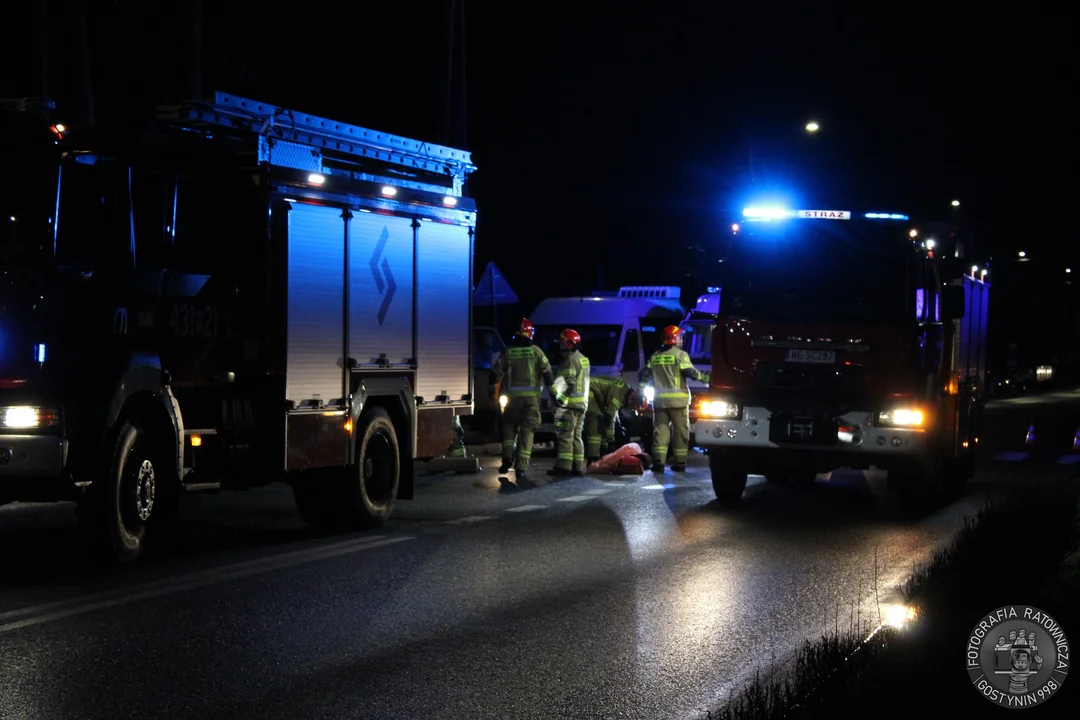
column 608, row 142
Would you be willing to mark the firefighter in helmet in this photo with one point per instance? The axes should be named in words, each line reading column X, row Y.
column 607, row 396
column 520, row 370
column 667, row 371
column 571, row 401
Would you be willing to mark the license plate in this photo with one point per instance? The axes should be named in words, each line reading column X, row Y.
column 811, row 356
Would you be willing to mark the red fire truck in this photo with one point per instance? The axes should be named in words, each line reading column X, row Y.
column 844, row 340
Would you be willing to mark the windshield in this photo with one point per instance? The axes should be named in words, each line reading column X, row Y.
column 697, row 341
column 822, row 271
column 599, row 343
column 27, row 192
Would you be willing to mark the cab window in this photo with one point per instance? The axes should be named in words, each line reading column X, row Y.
column 93, row 224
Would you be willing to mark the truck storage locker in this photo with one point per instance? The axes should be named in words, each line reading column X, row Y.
column 316, row 294
column 381, row 290
column 443, row 299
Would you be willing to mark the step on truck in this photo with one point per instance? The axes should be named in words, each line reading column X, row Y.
column 845, row 340
column 227, row 295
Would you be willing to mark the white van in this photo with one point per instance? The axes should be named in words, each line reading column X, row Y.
column 619, row 333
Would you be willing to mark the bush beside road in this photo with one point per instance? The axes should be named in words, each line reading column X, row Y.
column 1020, row 548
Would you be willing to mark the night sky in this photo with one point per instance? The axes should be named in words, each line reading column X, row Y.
column 613, row 146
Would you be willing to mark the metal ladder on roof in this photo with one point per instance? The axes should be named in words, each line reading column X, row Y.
column 300, row 141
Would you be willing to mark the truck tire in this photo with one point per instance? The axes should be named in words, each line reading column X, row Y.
column 728, row 478
column 119, row 511
column 373, row 485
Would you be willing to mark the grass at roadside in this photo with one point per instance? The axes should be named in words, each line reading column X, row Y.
column 1020, row 548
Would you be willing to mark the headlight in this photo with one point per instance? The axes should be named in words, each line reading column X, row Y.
column 901, row 417
column 650, row 393
column 719, row 409
column 502, row 402
column 25, row 418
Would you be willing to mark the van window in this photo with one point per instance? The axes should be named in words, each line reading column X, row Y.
column 631, row 346
column 599, row 343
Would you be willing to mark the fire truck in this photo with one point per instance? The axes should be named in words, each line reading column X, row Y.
column 226, row 295
column 844, row 340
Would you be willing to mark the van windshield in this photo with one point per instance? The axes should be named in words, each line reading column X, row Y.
column 599, row 343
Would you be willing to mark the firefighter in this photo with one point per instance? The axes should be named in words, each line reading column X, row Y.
column 520, row 371
column 667, row 371
column 572, row 402
column 606, row 397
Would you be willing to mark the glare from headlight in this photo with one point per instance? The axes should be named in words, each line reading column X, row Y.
column 719, row 408
column 502, row 402
column 902, row 417
column 21, row 417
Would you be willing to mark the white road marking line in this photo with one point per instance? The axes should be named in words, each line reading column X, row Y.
column 598, row 491
column 470, row 519
column 526, row 508
column 574, row 498
column 203, row 578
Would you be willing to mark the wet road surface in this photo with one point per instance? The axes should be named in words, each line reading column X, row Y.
column 582, row 598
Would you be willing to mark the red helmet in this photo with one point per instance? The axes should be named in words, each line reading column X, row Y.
column 526, row 329
column 569, row 339
column 671, row 334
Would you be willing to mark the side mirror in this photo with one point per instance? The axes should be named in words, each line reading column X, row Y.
column 952, row 302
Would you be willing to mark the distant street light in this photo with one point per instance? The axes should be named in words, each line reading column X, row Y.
column 812, row 126
column 1023, row 254
column 956, row 203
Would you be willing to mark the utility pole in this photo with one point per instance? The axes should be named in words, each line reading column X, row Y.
column 453, row 118
column 195, row 87
column 84, row 83
column 40, row 85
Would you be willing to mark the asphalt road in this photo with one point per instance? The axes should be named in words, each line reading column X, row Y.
column 583, row 598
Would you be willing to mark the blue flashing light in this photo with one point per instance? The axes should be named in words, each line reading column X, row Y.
column 39, row 353
column 767, row 213
column 886, row 216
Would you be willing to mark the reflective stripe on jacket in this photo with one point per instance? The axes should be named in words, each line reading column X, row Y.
column 669, row 386
column 522, row 368
column 575, row 370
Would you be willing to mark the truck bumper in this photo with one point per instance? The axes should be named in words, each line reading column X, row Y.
column 855, row 436
column 32, row 456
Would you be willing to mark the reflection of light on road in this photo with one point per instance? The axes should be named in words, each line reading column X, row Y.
column 693, row 614
column 898, row 616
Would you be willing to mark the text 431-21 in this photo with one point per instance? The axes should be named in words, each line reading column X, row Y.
column 195, row 323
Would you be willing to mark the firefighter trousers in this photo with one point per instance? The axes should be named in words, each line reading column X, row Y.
column 599, row 433
column 520, row 420
column 671, row 425
column 569, row 447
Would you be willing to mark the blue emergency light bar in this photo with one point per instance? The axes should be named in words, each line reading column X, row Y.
column 759, row 214
column 771, row 213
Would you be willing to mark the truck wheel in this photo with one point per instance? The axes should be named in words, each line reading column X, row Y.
column 728, row 478
column 373, row 486
column 121, row 509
